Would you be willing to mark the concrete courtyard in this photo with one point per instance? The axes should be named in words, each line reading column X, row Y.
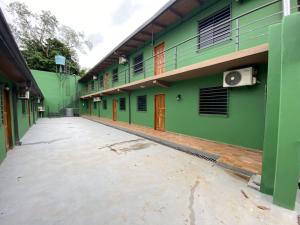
column 75, row 171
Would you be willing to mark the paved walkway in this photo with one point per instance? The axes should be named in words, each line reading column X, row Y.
column 72, row 171
column 229, row 156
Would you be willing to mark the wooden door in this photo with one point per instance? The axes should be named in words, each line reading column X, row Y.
column 160, row 112
column 114, row 110
column 159, row 59
column 106, row 81
column 29, row 112
column 7, row 120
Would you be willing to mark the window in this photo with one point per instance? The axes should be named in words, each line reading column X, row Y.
column 138, row 64
column 92, row 85
column 142, row 103
column 214, row 29
column 23, row 106
column 213, row 100
column 104, row 102
column 115, row 76
column 95, row 105
column 101, row 81
column 122, row 104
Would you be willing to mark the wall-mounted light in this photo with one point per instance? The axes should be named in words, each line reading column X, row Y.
column 178, row 97
column 142, row 86
column 6, row 87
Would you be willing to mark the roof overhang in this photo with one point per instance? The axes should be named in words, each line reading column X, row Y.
column 12, row 63
column 171, row 13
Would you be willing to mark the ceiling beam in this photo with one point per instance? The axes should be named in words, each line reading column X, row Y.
column 161, row 83
column 176, row 13
column 159, row 25
column 131, row 46
column 146, row 33
column 138, row 40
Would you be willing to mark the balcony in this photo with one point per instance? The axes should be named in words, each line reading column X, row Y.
column 244, row 43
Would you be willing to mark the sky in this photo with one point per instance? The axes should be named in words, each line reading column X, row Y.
column 105, row 23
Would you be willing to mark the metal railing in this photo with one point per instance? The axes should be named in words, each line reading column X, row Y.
column 244, row 32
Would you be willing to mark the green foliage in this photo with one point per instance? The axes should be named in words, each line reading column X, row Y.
column 39, row 59
column 41, row 38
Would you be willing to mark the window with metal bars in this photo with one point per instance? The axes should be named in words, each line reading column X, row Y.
column 95, row 105
column 23, row 106
column 101, row 81
column 142, row 103
column 115, row 75
column 104, row 104
column 214, row 29
column 122, row 103
column 138, row 64
column 213, row 100
column 92, row 85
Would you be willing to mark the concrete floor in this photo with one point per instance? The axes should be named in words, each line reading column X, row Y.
column 75, row 171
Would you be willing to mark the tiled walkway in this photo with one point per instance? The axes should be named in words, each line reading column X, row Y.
column 230, row 156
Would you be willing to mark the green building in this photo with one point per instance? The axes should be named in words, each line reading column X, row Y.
column 19, row 92
column 219, row 70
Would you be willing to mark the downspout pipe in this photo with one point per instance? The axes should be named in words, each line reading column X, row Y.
column 286, row 5
column 15, row 115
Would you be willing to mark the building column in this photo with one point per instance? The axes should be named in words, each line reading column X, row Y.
column 272, row 111
column 288, row 148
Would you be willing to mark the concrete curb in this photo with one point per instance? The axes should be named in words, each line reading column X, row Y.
column 182, row 148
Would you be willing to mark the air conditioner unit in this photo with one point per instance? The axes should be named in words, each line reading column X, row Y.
column 122, row 60
column 97, row 99
column 24, row 95
column 241, row 77
column 41, row 109
column 95, row 77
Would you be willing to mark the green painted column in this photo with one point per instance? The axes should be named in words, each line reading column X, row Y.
column 272, row 110
column 287, row 163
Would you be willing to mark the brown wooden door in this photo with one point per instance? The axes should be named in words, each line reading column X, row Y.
column 106, row 81
column 7, row 120
column 29, row 112
column 159, row 59
column 114, row 110
column 160, row 112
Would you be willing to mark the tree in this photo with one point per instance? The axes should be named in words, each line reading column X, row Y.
column 40, row 38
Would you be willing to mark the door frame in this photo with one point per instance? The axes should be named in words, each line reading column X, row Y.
column 114, row 109
column 7, row 120
column 155, row 112
column 155, row 58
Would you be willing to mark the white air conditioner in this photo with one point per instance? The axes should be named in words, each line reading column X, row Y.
column 241, row 77
column 41, row 109
column 95, row 77
column 122, row 60
column 24, row 95
column 97, row 99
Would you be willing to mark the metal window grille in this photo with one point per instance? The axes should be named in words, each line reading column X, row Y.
column 142, row 103
column 104, row 102
column 95, row 105
column 122, row 104
column 214, row 29
column 213, row 100
column 23, row 106
column 138, row 64
column 101, row 81
column 115, row 76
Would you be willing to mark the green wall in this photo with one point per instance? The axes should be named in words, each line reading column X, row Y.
column 59, row 90
column 244, row 126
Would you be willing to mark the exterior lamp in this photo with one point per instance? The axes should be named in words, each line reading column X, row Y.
column 178, row 97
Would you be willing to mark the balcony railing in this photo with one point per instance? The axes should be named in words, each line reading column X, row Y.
column 247, row 30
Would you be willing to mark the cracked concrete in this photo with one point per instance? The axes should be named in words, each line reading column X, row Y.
column 72, row 181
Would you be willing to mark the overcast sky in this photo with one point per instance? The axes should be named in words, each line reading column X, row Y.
column 106, row 23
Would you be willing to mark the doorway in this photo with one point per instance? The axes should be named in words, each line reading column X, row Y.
column 7, row 120
column 160, row 112
column 159, row 59
column 29, row 112
column 90, row 106
column 114, row 110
